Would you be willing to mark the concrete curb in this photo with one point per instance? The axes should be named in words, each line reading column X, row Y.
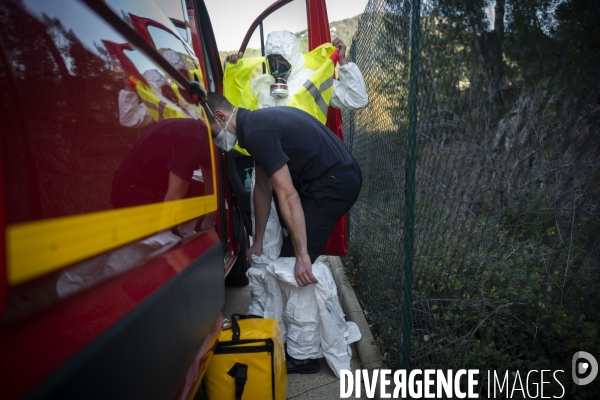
column 368, row 353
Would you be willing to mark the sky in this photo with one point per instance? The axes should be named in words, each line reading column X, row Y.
column 231, row 19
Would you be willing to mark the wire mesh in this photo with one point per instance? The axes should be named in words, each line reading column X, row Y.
column 507, row 198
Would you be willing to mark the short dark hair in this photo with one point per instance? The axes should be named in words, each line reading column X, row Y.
column 216, row 101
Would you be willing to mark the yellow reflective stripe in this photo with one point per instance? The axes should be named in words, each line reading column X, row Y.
column 161, row 110
column 314, row 96
column 150, row 105
column 39, row 247
column 316, row 93
column 151, row 109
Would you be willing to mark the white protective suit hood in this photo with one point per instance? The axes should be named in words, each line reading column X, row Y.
column 285, row 44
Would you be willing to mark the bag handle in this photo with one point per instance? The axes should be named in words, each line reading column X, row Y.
column 235, row 327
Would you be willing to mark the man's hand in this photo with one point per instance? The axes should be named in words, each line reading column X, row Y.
column 256, row 249
column 233, row 58
column 303, row 271
column 337, row 42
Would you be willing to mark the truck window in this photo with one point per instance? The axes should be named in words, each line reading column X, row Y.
column 176, row 10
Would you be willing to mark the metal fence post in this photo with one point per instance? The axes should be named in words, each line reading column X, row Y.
column 411, row 161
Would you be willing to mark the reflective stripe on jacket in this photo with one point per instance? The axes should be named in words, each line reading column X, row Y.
column 314, row 96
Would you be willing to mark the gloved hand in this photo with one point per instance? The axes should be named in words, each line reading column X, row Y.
column 337, row 42
column 233, row 58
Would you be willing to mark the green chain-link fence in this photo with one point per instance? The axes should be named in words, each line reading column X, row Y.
column 489, row 138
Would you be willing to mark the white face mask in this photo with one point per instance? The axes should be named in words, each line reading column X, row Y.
column 225, row 140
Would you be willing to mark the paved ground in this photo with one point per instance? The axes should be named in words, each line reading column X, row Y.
column 320, row 386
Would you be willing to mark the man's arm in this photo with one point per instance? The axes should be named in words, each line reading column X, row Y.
column 262, row 207
column 293, row 215
column 178, row 187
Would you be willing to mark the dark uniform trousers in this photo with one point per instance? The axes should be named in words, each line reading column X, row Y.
column 324, row 201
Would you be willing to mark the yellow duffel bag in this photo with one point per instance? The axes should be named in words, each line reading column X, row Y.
column 248, row 362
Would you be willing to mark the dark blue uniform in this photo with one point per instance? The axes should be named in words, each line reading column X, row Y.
column 323, row 171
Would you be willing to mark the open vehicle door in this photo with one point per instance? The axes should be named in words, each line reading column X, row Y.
column 314, row 19
column 233, row 224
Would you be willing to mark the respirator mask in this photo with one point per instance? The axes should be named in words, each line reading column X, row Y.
column 279, row 69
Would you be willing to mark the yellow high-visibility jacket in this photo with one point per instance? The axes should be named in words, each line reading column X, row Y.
column 313, row 97
column 158, row 109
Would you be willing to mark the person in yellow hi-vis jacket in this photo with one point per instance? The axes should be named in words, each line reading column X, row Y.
column 294, row 79
column 287, row 65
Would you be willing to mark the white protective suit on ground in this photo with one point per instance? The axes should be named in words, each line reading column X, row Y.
column 311, row 318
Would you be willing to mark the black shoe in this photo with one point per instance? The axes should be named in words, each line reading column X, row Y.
column 309, row 366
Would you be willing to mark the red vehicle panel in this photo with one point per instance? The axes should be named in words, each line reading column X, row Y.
column 97, row 299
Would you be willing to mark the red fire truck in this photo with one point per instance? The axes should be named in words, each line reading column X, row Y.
column 98, row 301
